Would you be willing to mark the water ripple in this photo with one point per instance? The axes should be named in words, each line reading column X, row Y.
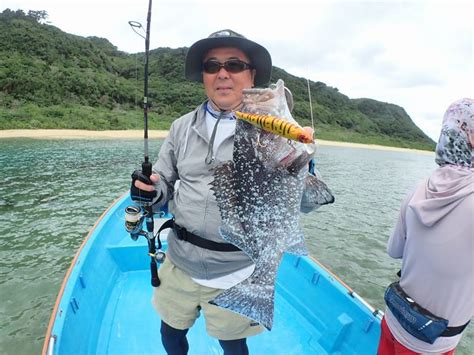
column 54, row 191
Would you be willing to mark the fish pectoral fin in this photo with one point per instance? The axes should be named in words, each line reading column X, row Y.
column 316, row 193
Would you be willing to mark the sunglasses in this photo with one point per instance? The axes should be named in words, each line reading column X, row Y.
column 231, row 65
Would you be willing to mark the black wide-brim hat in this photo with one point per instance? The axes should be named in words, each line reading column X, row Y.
column 257, row 54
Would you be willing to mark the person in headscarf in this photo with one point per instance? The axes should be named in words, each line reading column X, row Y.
column 434, row 237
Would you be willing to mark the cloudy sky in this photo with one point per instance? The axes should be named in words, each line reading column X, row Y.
column 416, row 54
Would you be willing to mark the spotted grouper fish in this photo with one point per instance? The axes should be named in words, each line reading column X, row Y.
column 259, row 194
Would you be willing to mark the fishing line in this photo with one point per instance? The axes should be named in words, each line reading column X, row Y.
column 376, row 284
column 137, row 25
column 136, row 79
column 310, row 105
column 312, row 163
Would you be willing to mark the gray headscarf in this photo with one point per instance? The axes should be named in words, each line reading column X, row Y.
column 456, row 141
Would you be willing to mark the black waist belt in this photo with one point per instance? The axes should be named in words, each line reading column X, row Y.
column 183, row 234
column 452, row 331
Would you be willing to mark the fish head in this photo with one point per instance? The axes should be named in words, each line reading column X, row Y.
column 273, row 150
column 276, row 100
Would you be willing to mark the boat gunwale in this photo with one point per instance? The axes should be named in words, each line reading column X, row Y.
column 375, row 311
column 65, row 281
column 48, row 344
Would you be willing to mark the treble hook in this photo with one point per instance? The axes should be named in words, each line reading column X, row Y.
column 258, row 141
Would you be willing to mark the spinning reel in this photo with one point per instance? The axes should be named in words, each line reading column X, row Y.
column 135, row 216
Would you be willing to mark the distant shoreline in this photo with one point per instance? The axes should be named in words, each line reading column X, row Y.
column 78, row 134
column 137, row 134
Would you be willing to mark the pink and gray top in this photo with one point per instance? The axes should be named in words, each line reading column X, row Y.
column 434, row 234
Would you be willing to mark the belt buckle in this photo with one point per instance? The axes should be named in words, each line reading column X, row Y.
column 181, row 232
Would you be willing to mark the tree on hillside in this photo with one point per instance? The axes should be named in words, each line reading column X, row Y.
column 38, row 16
column 55, row 76
column 9, row 14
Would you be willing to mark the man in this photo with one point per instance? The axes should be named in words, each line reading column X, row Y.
column 196, row 270
column 435, row 237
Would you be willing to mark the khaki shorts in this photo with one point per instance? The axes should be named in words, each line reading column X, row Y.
column 178, row 300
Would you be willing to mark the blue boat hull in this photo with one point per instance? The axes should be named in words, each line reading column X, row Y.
column 104, row 306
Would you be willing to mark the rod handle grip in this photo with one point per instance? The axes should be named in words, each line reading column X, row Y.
column 155, row 281
column 146, row 168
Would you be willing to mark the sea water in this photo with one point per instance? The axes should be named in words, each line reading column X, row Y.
column 52, row 192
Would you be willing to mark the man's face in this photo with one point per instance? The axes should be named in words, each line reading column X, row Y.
column 224, row 88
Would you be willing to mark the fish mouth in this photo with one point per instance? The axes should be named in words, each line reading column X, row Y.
column 287, row 159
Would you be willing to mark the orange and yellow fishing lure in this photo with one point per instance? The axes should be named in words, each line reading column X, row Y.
column 277, row 126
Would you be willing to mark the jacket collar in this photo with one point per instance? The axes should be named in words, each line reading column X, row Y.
column 199, row 122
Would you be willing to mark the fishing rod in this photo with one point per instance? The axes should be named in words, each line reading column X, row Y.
column 136, row 216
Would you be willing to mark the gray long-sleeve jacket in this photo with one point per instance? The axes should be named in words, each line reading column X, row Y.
column 182, row 157
column 193, row 203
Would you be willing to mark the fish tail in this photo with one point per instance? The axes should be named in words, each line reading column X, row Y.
column 250, row 300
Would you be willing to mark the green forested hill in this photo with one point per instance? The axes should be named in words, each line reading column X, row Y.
column 51, row 79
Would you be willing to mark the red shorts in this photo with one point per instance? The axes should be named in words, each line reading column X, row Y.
column 390, row 346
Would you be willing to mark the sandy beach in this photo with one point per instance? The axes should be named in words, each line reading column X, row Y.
column 77, row 134
column 138, row 134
